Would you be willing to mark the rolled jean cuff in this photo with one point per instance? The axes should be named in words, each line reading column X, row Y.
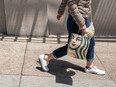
column 54, row 55
column 90, row 60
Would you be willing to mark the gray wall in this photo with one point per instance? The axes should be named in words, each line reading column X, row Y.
column 38, row 17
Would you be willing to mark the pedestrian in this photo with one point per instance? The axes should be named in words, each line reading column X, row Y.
column 78, row 19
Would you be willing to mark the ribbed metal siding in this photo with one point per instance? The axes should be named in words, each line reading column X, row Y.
column 26, row 17
column 105, row 17
column 33, row 17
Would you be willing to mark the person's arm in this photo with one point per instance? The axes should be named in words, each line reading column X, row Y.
column 61, row 9
column 72, row 4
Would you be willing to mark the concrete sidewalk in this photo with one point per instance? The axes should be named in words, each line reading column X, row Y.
column 19, row 66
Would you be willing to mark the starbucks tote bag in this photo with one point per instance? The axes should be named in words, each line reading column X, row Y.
column 78, row 46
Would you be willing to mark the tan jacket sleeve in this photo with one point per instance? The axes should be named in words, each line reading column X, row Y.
column 74, row 11
column 62, row 7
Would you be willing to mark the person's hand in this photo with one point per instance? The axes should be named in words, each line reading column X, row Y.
column 58, row 17
column 83, row 28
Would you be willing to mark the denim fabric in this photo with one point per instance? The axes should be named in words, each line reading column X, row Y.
column 72, row 27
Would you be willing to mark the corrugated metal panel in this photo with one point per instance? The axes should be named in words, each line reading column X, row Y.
column 33, row 17
column 104, row 18
column 26, row 17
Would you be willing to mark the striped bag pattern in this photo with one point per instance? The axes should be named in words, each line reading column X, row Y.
column 78, row 46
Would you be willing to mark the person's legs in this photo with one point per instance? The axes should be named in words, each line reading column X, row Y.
column 90, row 53
column 62, row 51
column 90, row 68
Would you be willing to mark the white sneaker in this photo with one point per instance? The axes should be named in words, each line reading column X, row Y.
column 94, row 70
column 43, row 62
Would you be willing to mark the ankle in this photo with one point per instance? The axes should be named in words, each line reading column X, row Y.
column 88, row 67
column 48, row 57
column 89, row 64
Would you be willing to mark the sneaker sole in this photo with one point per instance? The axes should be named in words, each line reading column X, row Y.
column 94, row 73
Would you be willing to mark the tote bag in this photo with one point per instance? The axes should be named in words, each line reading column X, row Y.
column 78, row 46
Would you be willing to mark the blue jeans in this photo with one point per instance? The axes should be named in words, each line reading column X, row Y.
column 72, row 27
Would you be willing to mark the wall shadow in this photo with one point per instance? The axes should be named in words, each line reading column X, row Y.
column 19, row 20
column 2, row 18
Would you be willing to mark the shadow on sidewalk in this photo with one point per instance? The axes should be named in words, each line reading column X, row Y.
column 63, row 71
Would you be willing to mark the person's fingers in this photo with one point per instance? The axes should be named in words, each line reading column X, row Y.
column 83, row 28
column 58, row 17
